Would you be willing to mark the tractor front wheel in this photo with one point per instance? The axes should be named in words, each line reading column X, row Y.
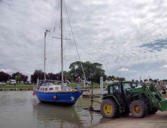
column 108, row 108
column 138, row 108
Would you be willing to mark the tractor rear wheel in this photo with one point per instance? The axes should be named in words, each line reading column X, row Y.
column 108, row 108
column 138, row 108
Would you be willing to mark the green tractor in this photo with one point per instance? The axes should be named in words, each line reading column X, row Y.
column 135, row 98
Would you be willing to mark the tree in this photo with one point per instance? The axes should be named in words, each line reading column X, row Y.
column 38, row 74
column 52, row 76
column 111, row 78
column 120, row 78
column 67, row 76
column 19, row 77
column 93, row 71
column 4, row 77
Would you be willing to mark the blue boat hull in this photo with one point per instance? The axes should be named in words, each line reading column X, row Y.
column 59, row 98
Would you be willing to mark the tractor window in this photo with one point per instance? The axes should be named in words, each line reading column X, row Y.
column 126, row 86
column 111, row 89
column 116, row 89
column 134, row 85
column 139, row 85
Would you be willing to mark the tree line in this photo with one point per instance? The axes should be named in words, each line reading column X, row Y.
column 4, row 77
column 92, row 71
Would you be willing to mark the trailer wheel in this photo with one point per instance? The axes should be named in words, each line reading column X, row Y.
column 138, row 109
column 108, row 108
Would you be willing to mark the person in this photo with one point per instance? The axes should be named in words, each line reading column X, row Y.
column 78, row 82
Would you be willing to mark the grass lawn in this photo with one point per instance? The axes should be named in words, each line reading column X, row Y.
column 18, row 86
column 30, row 86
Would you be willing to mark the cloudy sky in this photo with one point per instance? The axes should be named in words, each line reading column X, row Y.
column 128, row 37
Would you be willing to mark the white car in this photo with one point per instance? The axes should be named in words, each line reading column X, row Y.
column 12, row 82
column 88, row 82
column 2, row 83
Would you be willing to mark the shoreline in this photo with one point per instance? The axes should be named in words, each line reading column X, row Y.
column 16, row 89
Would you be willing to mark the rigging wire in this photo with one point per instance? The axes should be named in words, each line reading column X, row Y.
column 74, row 40
column 56, row 20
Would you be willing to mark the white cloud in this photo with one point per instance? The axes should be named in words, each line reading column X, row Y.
column 6, row 70
column 123, row 69
column 164, row 66
column 110, row 32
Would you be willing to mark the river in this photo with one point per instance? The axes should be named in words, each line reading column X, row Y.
column 20, row 109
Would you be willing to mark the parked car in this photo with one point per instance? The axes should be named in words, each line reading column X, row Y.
column 27, row 82
column 2, row 83
column 88, row 82
column 12, row 82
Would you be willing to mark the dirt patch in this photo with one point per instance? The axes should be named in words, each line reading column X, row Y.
column 158, row 120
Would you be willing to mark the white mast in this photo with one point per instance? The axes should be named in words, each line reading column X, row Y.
column 61, row 25
column 45, row 34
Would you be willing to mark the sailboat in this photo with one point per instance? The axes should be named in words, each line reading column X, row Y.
column 48, row 91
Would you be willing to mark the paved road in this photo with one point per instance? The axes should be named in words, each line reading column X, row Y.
column 158, row 120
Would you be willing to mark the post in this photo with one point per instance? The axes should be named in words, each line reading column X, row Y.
column 84, row 83
column 83, row 75
column 101, row 86
column 91, row 100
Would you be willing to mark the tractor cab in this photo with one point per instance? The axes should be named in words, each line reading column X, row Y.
column 122, row 92
column 122, row 87
column 130, row 97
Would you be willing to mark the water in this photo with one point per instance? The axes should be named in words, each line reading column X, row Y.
column 22, row 110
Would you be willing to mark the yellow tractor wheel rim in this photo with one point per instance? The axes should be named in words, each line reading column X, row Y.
column 107, row 109
column 136, row 109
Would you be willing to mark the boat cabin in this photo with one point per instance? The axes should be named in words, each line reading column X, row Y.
column 49, row 86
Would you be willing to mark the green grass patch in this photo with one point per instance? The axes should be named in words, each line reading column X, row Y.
column 72, row 85
column 30, row 86
column 18, row 86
